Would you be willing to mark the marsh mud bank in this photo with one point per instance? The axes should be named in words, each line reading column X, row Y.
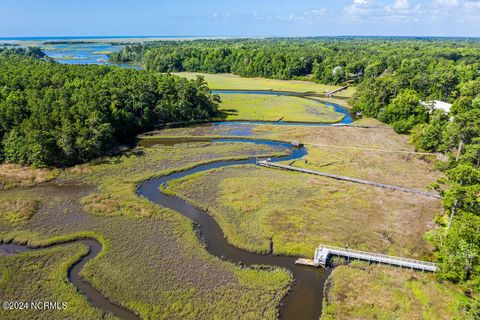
column 96, row 298
column 304, row 301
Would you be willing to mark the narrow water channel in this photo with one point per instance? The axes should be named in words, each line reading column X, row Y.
column 347, row 115
column 94, row 296
column 304, row 301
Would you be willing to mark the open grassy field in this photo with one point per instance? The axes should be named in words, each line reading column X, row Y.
column 369, row 122
column 274, row 108
column 152, row 262
column 233, row 82
column 360, row 291
column 298, row 212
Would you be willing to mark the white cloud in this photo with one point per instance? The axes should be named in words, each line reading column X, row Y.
column 417, row 15
column 461, row 10
column 307, row 16
column 459, row 4
column 361, row 8
column 401, row 5
column 472, row 5
column 445, row 3
column 382, row 10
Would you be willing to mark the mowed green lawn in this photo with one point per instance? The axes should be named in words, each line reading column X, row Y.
column 274, row 108
column 233, row 82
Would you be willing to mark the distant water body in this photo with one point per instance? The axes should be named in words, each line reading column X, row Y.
column 95, row 50
column 84, row 53
column 94, row 38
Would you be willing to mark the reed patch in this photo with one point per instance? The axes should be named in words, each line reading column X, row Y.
column 14, row 175
column 362, row 291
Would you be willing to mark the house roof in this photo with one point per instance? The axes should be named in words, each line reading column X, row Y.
column 437, row 105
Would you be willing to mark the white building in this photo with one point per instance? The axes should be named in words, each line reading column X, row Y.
column 437, row 105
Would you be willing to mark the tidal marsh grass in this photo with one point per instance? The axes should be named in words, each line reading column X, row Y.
column 362, row 291
column 152, row 261
column 14, row 175
column 233, row 82
column 274, row 108
column 254, row 205
column 400, row 169
column 17, row 207
column 18, row 210
column 41, row 276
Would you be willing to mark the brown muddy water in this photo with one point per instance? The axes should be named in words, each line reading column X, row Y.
column 304, row 300
column 94, row 296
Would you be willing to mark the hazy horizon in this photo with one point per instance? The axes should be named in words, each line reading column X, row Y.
column 246, row 18
column 80, row 37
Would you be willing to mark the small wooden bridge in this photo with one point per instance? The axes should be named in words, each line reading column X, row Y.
column 269, row 164
column 331, row 93
column 323, row 253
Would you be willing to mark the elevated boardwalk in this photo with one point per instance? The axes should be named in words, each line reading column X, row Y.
column 269, row 164
column 331, row 93
column 324, row 252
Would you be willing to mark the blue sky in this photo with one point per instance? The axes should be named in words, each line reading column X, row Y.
column 239, row 17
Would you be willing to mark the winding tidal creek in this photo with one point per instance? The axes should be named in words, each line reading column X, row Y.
column 304, row 301
column 96, row 298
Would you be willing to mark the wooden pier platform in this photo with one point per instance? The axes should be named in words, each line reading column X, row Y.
column 306, row 262
column 324, row 252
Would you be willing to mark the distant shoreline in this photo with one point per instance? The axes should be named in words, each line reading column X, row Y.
column 113, row 39
column 179, row 37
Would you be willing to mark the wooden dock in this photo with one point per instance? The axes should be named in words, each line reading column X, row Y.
column 306, row 262
column 323, row 253
column 269, row 164
column 331, row 93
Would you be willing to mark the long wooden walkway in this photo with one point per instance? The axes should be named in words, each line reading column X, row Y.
column 331, row 93
column 375, row 150
column 324, row 252
column 269, row 164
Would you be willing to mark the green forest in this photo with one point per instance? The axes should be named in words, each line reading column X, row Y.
column 60, row 115
column 393, row 76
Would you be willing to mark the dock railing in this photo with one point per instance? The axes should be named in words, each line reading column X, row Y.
column 323, row 251
column 269, row 164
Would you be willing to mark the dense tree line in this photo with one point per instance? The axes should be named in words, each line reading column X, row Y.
column 393, row 76
column 34, row 52
column 54, row 115
column 435, row 65
column 458, row 237
column 389, row 72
